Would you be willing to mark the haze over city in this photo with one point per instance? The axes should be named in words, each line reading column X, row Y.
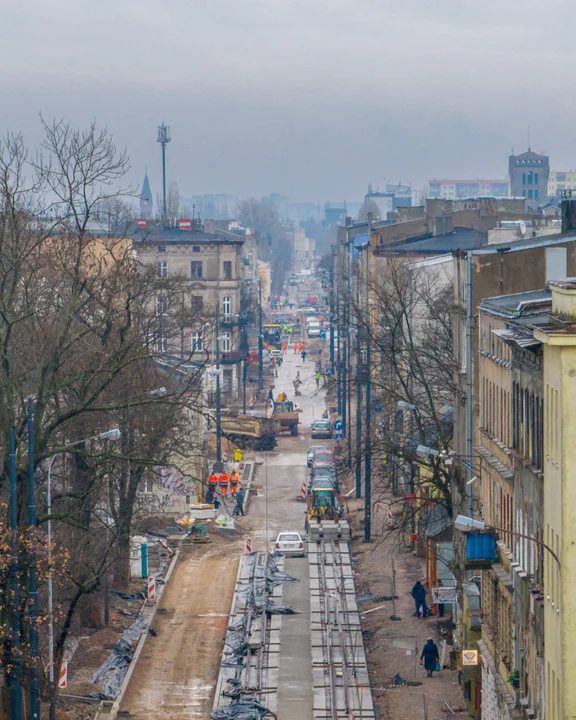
column 309, row 99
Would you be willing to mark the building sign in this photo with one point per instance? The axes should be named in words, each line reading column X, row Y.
column 444, row 595
column 469, row 657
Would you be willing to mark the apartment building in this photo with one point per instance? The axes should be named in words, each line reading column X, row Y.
column 456, row 189
column 510, row 472
column 211, row 266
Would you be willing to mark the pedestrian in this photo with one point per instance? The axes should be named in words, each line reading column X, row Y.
column 284, row 347
column 418, row 592
column 270, row 395
column 431, row 657
column 216, row 503
column 239, row 507
column 209, row 495
column 317, row 378
column 303, row 355
column 296, row 347
column 440, row 605
column 235, row 482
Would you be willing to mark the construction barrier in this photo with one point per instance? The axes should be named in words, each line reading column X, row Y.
column 152, row 589
column 63, row 677
column 249, row 544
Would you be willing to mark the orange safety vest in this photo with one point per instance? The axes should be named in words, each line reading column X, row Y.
column 223, row 483
column 234, row 482
column 212, row 479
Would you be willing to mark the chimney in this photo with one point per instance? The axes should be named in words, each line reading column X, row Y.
column 185, row 223
column 141, row 223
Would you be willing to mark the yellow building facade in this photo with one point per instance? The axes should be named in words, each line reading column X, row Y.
column 560, row 180
column 559, row 341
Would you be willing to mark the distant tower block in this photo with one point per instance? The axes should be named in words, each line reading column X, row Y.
column 146, row 204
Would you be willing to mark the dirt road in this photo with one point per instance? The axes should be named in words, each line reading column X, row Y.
column 177, row 671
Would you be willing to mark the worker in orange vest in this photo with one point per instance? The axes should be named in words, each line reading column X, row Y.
column 296, row 348
column 235, row 482
column 213, row 481
column 284, row 347
column 223, row 481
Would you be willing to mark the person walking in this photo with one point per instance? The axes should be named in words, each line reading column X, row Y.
column 430, row 657
column 216, row 502
column 239, row 507
column 223, row 480
column 284, row 348
column 303, row 355
column 317, row 378
column 235, row 482
column 418, row 592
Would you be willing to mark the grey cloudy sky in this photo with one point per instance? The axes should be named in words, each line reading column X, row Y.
column 309, row 98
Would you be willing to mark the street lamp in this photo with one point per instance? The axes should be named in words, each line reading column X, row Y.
column 467, row 524
column 113, row 434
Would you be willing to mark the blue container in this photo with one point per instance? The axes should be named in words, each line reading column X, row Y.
column 481, row 547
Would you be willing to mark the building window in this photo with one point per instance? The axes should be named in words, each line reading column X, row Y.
column 149, row 484
column 225, row 342
column 196, row 269
column 197, row 304
column 197, row 343
column 535, row 178
column 530, row 178
column 523, row 193
column 162, row 269
column 523, row 178
column 529, row 194
column 161, row 305
column 227, row 269
column 196, row 248
column 161, row 248
column 161, row 343
column 226, row 306
column 536, row 194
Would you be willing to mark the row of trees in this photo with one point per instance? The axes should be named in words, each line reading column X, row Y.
column 404, row 314
column 79, row 319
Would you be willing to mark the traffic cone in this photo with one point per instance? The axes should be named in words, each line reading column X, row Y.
column 303, row 491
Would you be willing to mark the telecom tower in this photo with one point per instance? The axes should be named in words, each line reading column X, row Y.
column 164, row 138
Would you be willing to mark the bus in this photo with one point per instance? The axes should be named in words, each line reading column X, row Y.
column 272, row 333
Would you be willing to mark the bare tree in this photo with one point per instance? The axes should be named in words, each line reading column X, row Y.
column 409, row 326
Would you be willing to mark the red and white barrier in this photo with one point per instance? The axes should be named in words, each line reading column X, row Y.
column 303, row 491
column 152, row 588
column 63, row 677
column 248, row 544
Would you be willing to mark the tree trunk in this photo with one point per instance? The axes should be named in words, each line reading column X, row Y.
column 122, row 561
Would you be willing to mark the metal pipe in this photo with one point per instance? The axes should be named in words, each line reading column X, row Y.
column 33, row 577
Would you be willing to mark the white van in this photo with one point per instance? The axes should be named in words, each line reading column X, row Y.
column 313, row 329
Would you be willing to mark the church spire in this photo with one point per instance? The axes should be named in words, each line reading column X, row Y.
column 146, row 204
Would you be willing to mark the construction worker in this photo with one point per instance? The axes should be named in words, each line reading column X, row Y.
column 223, row 481
column 317, row 377
column 296, row 346
column 284, row 348
column 235, row 482
column 212, row 482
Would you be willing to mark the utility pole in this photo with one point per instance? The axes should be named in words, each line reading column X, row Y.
column 218, row 399
column 260, row 339
column 15, row 658
column 332, row 319
column 358, row 415
column 33, row 577
column 164, row 137
column 368, row 451
column 344, row 393
column 349, row 389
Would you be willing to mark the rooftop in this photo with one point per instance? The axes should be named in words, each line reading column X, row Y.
column 469, row 182
column 160, row 234
column 532, row 302
column 457, row 240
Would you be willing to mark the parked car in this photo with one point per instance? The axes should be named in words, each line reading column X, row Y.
column 321, row 429
column 325, row 475
column 323, row 458
column 290, row 543
column 323, row 482
column 312, row 450
column 276, row 354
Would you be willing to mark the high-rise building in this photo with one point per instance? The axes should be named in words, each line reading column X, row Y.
column 529, row 177
column 146, row 203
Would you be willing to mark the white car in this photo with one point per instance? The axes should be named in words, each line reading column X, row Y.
column 290, row 543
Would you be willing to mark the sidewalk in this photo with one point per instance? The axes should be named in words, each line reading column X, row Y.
column 394, row 647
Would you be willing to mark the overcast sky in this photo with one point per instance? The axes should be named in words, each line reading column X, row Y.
column 309, row 98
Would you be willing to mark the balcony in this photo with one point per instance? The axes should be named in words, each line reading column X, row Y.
column 229, row 320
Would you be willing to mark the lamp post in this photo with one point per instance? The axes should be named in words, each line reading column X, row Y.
column 368, row 451
column 113, row 434
column 164, row 137
column 14, row 605
column 260, row 339
column 33, row 576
